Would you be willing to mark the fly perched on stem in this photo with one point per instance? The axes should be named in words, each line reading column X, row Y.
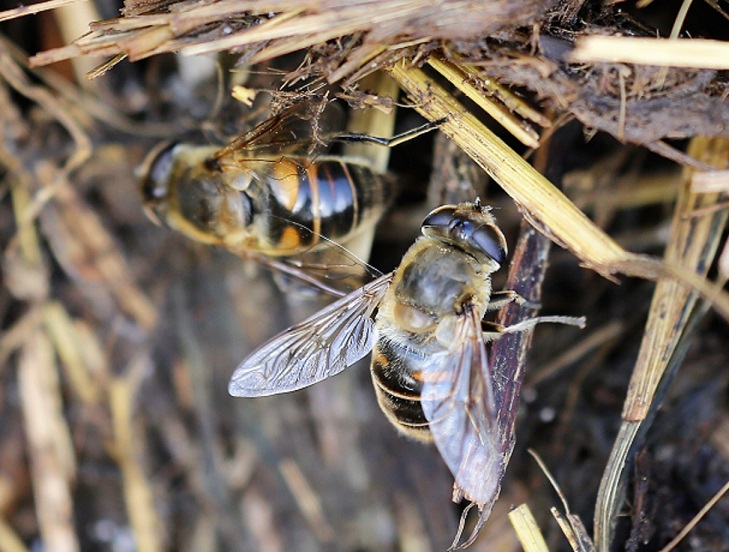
column 423, row 324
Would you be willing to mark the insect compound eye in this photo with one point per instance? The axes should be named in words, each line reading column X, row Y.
column 489, row 241
column 461, row 230
column 460, row 227
column 438, row 219
column 156, row 173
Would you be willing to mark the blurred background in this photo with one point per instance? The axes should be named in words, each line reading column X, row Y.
column 119, row 336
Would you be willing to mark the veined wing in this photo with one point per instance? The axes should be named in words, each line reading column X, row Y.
column 321, row 346
column 457, row 400
column 328, row 266
column 297, row 130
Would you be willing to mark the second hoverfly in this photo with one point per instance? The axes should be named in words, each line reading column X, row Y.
column 429, row 365
column 266, row 193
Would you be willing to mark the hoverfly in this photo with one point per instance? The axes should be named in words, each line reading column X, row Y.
column 267, row 194
column 423, row 324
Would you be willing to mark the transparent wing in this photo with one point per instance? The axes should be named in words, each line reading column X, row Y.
column 459, row 406
column 297, row 130
column 321, row 346
column 330, row 267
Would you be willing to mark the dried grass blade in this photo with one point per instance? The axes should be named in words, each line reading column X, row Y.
column 146, row 42
column 13, row 337
column 460, row 79
column 54, row 55
column 298, row 31
column 695, row 53
column 12, row 66
column 10, row 541
column 511, row 100
column 86, row 250
column 357, row 62
column 52, row 460
column 564, row 525
column 527, row 529
column 571, row 525
column 705, row 182
column 27, row 244
column 73, row 21
column 693, row 244
column 611, row 491
column 128, row 452
column 306, row 499
column 70, row 347
column 574, row 531
column 724, row 261
column 40, row 7
column 24, row 272
column 102, row 68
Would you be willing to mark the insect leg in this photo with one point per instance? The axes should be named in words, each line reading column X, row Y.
column 388, row 142
column 500, row 299
column 495, row 330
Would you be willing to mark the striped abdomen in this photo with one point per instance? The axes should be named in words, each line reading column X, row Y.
column 395, row 373
column 304, row 201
